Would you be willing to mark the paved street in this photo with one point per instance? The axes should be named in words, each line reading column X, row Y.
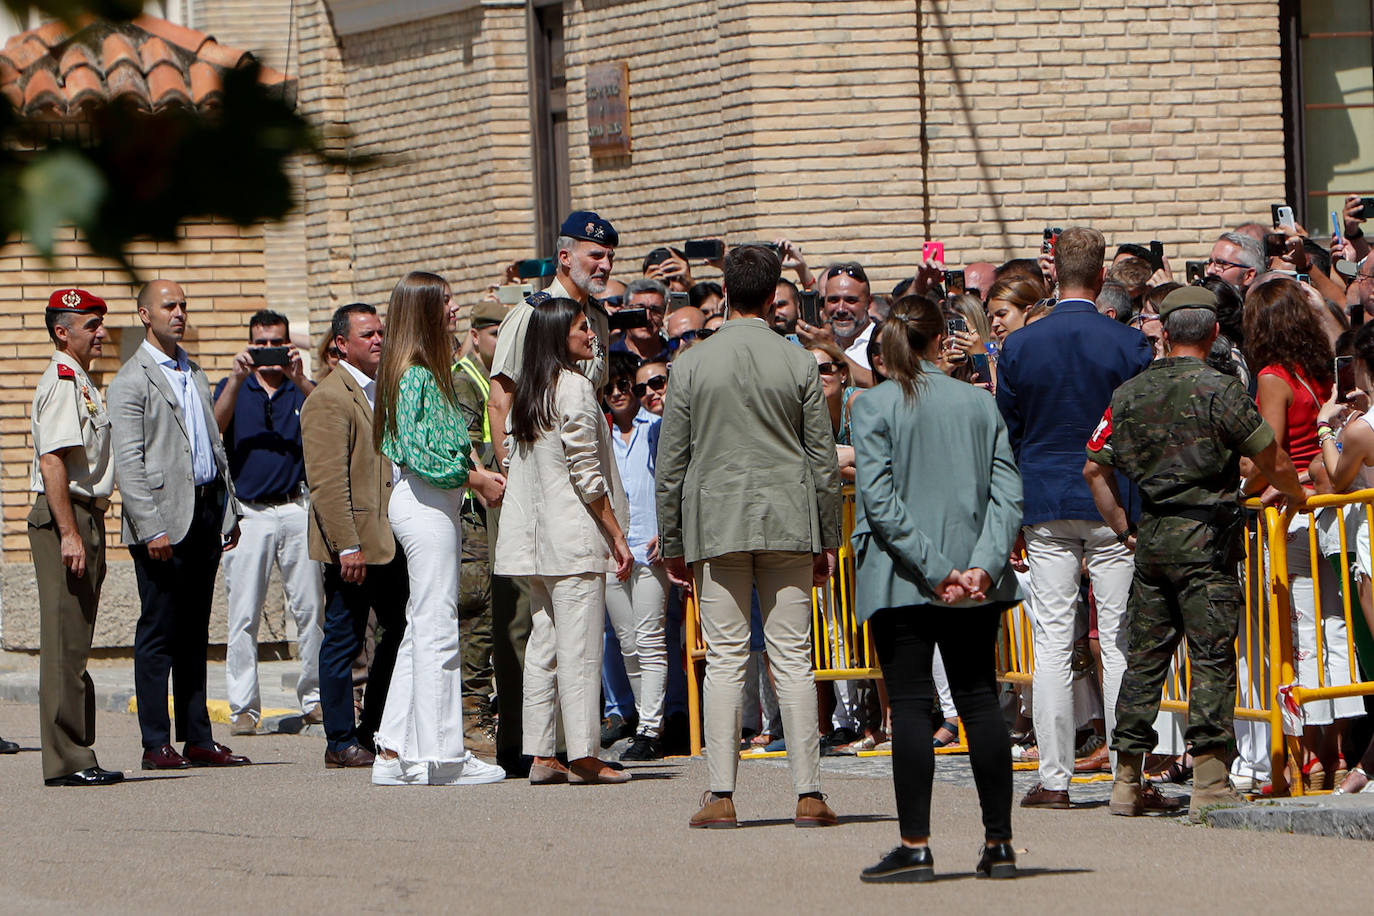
column 288, row 836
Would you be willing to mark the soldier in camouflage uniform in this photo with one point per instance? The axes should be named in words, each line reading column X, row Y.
column 1178, row 430
column 472, row 385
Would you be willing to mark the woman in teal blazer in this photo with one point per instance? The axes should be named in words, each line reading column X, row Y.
column 939, row 505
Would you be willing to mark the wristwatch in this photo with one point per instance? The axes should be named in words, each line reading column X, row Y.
column 1123, row 536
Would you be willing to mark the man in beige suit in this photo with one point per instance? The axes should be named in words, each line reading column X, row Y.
column 350, row 487
column 749, row 494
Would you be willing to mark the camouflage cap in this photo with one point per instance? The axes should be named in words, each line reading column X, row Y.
column 487, row 313
column 1188, row 297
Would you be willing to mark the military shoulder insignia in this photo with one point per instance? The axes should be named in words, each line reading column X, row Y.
column 66, row 372
column 536, row 298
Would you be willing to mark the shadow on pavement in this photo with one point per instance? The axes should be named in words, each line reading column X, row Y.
column 843, row 819
column 1032, row 872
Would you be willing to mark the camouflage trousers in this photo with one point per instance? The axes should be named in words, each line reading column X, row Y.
column 474, row 610
column 1168, row 602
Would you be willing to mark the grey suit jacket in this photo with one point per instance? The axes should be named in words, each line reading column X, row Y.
column 746, row 457
column 152, row 454
column 937, row 490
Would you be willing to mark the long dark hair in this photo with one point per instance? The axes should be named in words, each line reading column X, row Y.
column 416, row 335
column 1281, row 330
column 913, row 323
column 546, row 355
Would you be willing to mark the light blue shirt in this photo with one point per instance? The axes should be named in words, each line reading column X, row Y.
column 183, row 382
column 636, row 460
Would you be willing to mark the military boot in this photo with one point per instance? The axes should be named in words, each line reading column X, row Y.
column 1126, row 799
column 1211, row 783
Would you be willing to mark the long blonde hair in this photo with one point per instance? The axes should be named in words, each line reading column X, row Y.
column 416, row 335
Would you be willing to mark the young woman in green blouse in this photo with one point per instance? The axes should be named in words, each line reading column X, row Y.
column 419, row 428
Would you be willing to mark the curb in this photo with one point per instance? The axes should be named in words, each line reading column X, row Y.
column 1344, row 817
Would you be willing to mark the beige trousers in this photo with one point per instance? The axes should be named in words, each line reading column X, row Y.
column 563, row 664
column 725, row 584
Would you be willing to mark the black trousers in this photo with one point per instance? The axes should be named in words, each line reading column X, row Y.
column 385, row 589
column 906, row 639
column 173, row 631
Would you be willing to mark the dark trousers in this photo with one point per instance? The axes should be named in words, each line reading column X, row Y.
column 385, row 589
column 66, row 621
column 1168, row 602
column 174, row 628
column 906, row 638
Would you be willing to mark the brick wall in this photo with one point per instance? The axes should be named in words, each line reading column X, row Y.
column 218, row 265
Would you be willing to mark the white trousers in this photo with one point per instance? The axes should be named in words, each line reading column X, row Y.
column 563, row 664
column 1334, row 667
column 268, row 535
column 726, row 584
column 1056, row 552
column 423, row 718
column 637, row 611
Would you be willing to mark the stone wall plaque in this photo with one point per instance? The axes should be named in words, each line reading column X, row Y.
column 608, row 109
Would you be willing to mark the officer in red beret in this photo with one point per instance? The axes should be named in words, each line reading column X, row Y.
column 73, row 478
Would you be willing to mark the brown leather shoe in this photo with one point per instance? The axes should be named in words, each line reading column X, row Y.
column 313, row 716
column 1156, row 802
column 1099, row 761
column 164, row 758
column 715, row 812
column 355, row 755
column 1040, row 797
column 216, row 755
column 595, row 773
column 814, row 812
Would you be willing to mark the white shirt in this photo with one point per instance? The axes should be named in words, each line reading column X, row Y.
column 183, row 383
column 858, row 350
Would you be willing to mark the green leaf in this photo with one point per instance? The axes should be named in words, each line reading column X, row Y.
column 59, row 187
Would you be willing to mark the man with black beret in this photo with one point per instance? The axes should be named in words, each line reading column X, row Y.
column 1178, row 430
column 585, row 251
column 73, row 478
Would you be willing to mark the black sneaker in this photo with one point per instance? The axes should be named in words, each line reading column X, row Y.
column 997, row 861
column 903, row 864
column 642, row 747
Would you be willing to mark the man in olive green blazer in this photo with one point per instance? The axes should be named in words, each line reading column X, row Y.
column 749, row 493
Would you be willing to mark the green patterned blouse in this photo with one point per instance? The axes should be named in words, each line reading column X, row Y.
column 430, row 438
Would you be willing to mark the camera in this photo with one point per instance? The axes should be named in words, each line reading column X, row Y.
column 625, row 319
column 1196, row 270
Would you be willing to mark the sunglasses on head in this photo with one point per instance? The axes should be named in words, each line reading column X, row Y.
column 695, row 334
column 849, row 270
column 658, row 383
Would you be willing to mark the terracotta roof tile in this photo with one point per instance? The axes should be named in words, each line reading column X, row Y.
column 116, row 48
column 206, row 84
column 50, row 72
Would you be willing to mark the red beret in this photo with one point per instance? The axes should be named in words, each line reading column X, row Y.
column 75, row 300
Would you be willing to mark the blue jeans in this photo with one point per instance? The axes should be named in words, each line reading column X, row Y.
column 385, row 589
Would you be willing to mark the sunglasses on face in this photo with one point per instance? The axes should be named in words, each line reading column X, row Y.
column 831, row 368
column 688, row 336
column 658, row 383
column 614, row 302
column 620, row 385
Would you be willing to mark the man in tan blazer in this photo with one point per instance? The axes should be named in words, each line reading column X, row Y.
column 749, row 493
column 350, row 487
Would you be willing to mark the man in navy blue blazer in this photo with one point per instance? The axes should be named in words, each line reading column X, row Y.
column 1054, row 381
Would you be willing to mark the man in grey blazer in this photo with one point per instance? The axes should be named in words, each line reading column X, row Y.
column 179, row 515
column 749, row 493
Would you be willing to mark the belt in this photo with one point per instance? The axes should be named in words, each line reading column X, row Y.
column 209, row 489
column 97, row 504
column 278, row 499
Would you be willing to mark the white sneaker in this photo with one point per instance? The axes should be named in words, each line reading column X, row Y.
column 243, row 724
column 397, row 772
column 468, row 772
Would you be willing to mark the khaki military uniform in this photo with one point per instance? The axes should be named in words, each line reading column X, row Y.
column 1178, row 430
column 68, row 413
column 473, row 386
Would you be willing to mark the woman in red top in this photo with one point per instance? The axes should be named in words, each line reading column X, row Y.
column 1284, row 338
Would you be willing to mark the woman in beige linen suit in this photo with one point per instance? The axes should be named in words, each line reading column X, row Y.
column 562, row 527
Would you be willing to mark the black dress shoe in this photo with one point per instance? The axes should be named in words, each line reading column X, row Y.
column 216, row 755
column 903, row 864
column 91, row 776
column 8, row 747
column 997, row 861
column 164, row 758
